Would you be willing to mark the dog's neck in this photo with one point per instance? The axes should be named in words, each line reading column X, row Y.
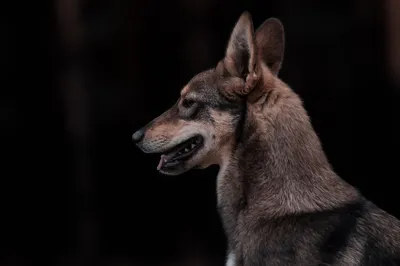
column 279, row 166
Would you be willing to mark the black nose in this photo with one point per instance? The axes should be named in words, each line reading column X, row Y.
column 138, row 135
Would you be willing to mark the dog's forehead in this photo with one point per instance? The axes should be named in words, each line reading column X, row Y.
column 203, row 84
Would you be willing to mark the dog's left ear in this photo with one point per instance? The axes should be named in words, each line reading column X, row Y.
column 240, row 56
column 270, row 43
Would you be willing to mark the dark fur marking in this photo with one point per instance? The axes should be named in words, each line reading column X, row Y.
column 241, row 123
column 225, row 107
column 338, row 238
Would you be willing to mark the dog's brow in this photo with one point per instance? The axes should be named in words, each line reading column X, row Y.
column 185, row 90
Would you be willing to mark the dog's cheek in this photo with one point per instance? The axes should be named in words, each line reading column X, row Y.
column 204, row 116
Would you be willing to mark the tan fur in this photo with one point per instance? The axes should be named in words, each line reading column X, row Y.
column 166, row 130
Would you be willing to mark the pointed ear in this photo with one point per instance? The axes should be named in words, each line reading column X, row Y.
column 240, row 56
column 270, row 43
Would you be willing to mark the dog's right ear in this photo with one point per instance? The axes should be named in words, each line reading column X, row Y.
column 240, row 55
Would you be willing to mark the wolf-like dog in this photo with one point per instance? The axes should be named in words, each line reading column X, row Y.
column 280, row 201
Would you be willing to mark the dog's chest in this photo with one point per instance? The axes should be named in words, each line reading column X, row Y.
column 275, row 244
column 230, row 199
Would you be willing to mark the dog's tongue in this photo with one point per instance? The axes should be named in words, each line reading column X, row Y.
column 162, row 162
column 164, row 159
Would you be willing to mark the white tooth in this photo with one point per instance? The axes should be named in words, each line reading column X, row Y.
column 193, row 145
column 186, row 149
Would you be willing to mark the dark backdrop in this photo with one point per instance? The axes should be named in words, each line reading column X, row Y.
column 81, row 76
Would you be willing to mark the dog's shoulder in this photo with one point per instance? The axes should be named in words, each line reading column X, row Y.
column 358, row 233
column 362, row 234
column 381, row 234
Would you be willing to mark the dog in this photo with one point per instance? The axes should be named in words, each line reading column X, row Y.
column 279, row 199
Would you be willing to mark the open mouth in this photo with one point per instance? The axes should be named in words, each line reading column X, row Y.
column 182, row 152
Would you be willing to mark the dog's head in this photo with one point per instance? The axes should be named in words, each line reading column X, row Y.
column 201, row 128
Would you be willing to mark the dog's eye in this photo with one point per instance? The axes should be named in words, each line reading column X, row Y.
column 187, row 103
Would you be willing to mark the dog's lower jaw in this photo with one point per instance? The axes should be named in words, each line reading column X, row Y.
column 201, row 166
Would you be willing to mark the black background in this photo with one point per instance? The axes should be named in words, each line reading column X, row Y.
column 80, row 78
